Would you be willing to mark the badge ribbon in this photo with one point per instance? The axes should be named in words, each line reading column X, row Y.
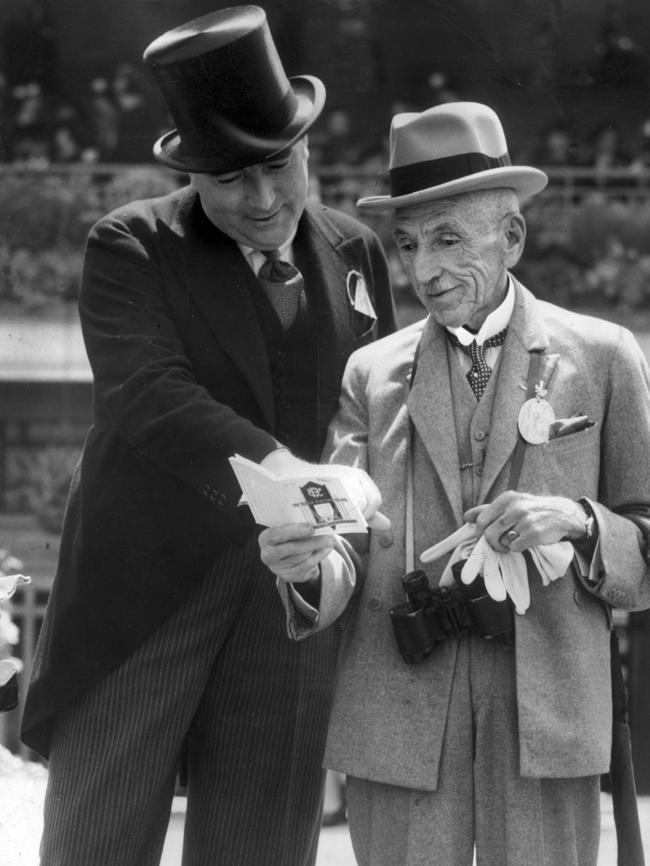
column 536, row 415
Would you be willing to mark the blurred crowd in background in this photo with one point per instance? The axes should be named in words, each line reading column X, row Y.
column 112, row 122
column 116, row 120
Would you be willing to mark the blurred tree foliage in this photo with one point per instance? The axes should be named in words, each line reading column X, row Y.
column 594, row 252
column 44, row 221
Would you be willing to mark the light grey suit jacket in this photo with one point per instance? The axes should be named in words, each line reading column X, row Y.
column 388, row 718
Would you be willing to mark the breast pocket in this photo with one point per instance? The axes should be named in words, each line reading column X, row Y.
column 566, row 466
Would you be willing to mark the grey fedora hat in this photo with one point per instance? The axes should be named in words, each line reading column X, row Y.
column 449, row 149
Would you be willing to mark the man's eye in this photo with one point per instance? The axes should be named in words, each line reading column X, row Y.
column 448, row 241
column 225, row 179
column 405, row 246
column 278, row 165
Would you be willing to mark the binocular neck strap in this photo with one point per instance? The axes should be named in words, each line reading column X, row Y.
column 515, row 466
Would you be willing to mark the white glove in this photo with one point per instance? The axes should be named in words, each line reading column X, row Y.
column 505, row 574
column 8, row 585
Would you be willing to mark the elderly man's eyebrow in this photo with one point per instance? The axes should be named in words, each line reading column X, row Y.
column 429, row 227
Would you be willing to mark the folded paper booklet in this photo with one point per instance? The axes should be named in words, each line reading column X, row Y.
column 321, row 499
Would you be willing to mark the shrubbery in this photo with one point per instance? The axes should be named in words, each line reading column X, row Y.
column 44, row 221
column 594, row 254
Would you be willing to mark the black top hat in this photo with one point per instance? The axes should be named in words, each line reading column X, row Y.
column 228, row 93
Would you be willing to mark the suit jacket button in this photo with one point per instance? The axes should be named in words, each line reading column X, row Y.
column 374, row 604
column 480, row 435
column 577, row 597
column 222, row 499
column 385, row 539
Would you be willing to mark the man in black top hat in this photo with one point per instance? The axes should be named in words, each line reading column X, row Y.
column 217, row 319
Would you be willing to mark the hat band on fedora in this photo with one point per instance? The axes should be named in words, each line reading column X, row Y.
column 406, row 179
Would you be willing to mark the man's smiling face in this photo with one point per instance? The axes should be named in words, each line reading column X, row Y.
column 258, row 206
column 457, row 251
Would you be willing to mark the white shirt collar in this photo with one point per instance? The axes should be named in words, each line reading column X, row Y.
column 255, row 258
column 495, row 322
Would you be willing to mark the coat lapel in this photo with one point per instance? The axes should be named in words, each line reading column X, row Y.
column 216, row 275
column 526, row 335
column 322, row 254
column 431, row 410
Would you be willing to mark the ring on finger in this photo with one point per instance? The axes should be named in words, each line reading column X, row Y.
column 508, row 537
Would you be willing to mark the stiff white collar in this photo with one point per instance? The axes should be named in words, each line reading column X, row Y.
column 495, row 322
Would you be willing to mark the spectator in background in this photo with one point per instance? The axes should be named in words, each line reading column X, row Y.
column 640, row 164
column 71, row 139
column 441, row 88
column 135, row 121
column 558, row 147
column 605, row 152
column 31, row 144
column 103, row 118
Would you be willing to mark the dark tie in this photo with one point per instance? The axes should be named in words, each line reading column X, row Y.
column 479, row 375
column 283, row 284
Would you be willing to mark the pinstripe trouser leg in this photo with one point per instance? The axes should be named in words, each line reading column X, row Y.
column 254, row 706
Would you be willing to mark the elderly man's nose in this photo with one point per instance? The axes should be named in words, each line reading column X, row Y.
column 426, row 267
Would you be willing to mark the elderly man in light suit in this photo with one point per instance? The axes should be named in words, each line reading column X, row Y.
column 483, row 746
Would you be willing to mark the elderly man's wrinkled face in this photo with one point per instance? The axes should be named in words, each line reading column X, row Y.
column 457, row 251
column 258, row 206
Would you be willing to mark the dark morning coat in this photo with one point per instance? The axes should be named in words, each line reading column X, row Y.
column 181, row 382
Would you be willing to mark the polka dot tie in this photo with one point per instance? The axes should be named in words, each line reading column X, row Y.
column 479, row 374
column 283, row 284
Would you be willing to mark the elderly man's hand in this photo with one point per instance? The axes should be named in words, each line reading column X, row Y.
column 517, row 521
column 293, row 552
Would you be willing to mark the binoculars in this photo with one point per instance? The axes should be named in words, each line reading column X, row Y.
column 432, row 615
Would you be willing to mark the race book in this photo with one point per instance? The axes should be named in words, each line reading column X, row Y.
column 321, row 500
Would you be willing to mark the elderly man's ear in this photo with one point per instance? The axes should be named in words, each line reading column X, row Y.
column 515, row 238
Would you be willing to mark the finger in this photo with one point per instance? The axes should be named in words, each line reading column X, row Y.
column 289, row 553
column 286, row 532
column 365, row 491
column 496, row 533
column 472, row 513
column 372, row 496
column 500, row 509
column 379, row 522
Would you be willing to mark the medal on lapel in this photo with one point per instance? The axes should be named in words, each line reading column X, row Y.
column 536, row 417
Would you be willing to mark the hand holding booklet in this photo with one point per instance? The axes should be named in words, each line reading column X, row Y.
column 322, row 499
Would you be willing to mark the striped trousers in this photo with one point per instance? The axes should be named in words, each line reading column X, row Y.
column 222, row 677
